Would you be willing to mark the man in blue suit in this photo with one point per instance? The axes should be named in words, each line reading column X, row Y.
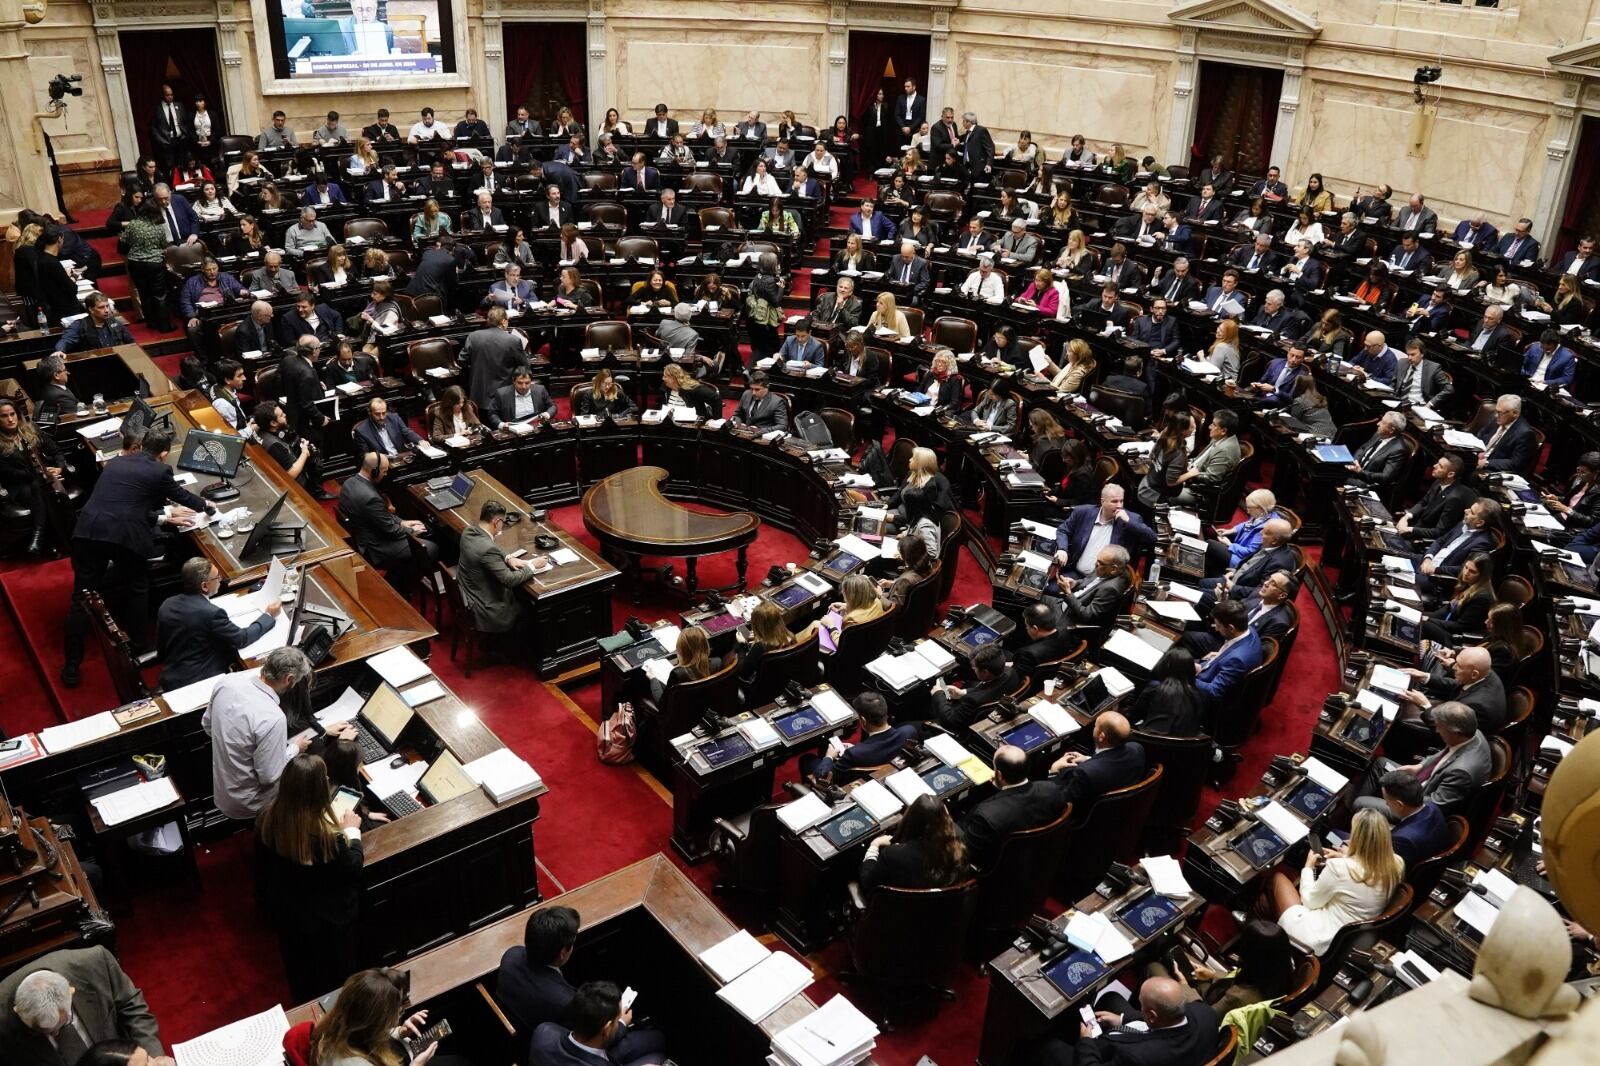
column 1476, row 232
column 801, row 347
column 803, row 186
column 1519, row 246
column 870, row 224
column 1117, row 762
column 641, row 176
column 387, row 188
column 1305, row 270
column 310, row 318
column 1511, row 443
column 533, row 991
column 879, row 742
column 1548, row 362
column 1430, row 317
column 1375, row 360
column 1088, row 528
column 177, row 217
column 597, row 1017
column 1276, row 384
column 1455, row 546
column 116, row 536
column 1222, row 670
column 322, row 191
column 1581, row 262
column 196, row 637
column 511, row 292
column 383, row 431
column 1418, row 827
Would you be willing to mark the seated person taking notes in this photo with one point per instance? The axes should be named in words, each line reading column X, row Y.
column 195, row 636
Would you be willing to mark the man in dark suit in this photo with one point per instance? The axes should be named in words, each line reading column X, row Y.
column 870, row 224
column 910, row 111
column 1491, row 334
column 1511, row 444
column 438, row 269
column 1267, row 611
column 170, row 129
column 1349, row 240
column 1207, row 207
column 1580, row 262
column 383, row 130
column 1257, row 257
column 977, row 148
column 944, row 134
column 177, row 217
column 1109, row 305
column 857, row 360
column 640, row 176
column 1158, row 329
column 1176, row 1032
column 956, row 708
column 437, row 184
column 524, row 400
column 1226, row 294
column 1419, row 380
column 668, row 212
column 1047, row 642
column 1382, row 459
column 879, row 743
column 758, row 408
column 388, row 188
column 1442, row 506
column 1273, row 315
column 1519, row 246
column 1409, row 255
column 1121, row 271
column 1459, row 543
column 1017, row 804
column 1092, row 603
column 1117, row 762
column 115, row 537
column 53, row 1009
column 560, row 175
column 311, row 319
column 483, row 214
column 533, row 991
column 1450, row 776
column 553, row 211
column 382, row 538
column 54, row 289
column 1304, row 270
column 1417, row 216
column 1472, row 681
column 1429, row 316
column 384, row 431
column 1418, row 827
column 909, row 272
column 597, row 1018
column 1374, row 208
column 1221, row 671
column 54, row 394
column 663, row 126
column 1476, row 233
column 297, row 377
column 1273, row 554
column 1176, row 286
column 1275, row 387
column 840, row 308
column 1546, row 362
column 348, row 367
column 195, row 637
column 1109, row 523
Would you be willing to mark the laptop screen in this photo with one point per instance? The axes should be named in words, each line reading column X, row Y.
column 445, row 780
column 461, row 485
column 386, row 714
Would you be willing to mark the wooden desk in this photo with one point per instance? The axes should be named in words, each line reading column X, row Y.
column 629, row 515
column 111, row 372
column 644, row 925
column 571, row 603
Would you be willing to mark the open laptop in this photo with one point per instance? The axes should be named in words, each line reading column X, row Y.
column 443, row 781
column 452, row 496
column 380, row 722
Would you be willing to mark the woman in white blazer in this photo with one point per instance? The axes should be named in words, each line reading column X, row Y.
column 1355, row 885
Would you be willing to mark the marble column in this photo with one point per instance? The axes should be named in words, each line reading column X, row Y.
column 1180, row 130
column 1559, row 158
column 838, row 65
column 24, row 167
column 599, row 80
column 122, row 118
column 242, row 98
column 938, row 62
column 1288, row 105
column 492, row 94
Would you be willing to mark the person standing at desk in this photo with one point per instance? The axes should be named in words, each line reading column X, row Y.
column 597, row 1016
column 489, row 579
column 195, row 636
column 534, row 992
column 250, row 743
column 116, row 536
column 382, row 538
column 925, row 851
column 308, row 873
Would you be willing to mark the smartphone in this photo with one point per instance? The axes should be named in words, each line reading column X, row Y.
column 1086, row 1012
column 10, row 745
column 519, row 553
column 628, row 996
column 430, row 1036
column 344, row 801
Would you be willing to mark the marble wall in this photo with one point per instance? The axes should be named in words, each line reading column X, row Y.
column 733, row 70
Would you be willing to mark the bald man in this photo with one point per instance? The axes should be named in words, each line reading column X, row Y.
column 1018, row 805
column 1117, row 762
column 1245, row 579
column 1471, row 681
column 1175, row 1031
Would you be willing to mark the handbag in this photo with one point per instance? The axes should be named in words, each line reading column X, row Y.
column 614, row 741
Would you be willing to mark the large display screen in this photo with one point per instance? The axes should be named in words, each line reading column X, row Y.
column 361, row 38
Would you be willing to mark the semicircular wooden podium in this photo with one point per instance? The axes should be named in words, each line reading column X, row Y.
column 628, row 515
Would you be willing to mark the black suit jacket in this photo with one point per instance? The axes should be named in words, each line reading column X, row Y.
column 1162, row 335
column 1499, row 337
column 919, row 112
column 57, row 292
column 964, row 711
column 1047, row 649
column 1104, row 771
column 1440, row 509
column 57, row 398
column 390, row 132
column 1175, row 290
column 769, row 412
column 330, row 323
column 532, row 993
column 1094, row 608
column 1127, row 274
column 1192, row 1044
column 1517, row 451
column 1487, row 699
column 301, row 389
column 1275, row 622
column 921, row 276
column 402, row 436
column 985, row 828
column 504, row 402
column 1387, row 466
column 1260, row 566
column 122, row 508
column 197, row 641
column 542, row 214
column 367, row 516
column 436, row 273
column 1436, row 387
column 678, row 216
column 251, row 337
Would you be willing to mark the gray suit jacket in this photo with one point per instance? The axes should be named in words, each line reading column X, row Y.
column 488, row 583
column 1453, row 776
column 491, row 354
column 106, row 1004
column 1217, row 462
column 1024, row 249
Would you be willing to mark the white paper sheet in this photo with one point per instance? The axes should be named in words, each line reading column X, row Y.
column 729, row 958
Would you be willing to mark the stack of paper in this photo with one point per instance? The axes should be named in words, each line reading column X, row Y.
column 766, row 986
column 1166, row 875
column 858, row 547
column 1282, row 821
column 728, row 959
column 1054, row 718
column 804, row 812
column 1176, row 610
column 253, row 1041
column 759, row 732
column 896, row 670
column 1093, row 931
column 831, row 706
column 1126, row 645
column 399, row 666
column 835, row 1034
column 25, row 748
column 908, row 785
column 935, row 653
column 503, row 775
column 126, row 804
column 195, row 695
column 875, row 799
column 948, row 750
column 1324, row 775
column 58, row 738
column 426, row 692
column 1115, row 681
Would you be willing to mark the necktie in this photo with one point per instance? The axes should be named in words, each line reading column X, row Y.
column 1217, row 306
column 1494, row 440
column 1172, row 289
column 172, row 224
column 905, row 274
column 70, row 1044
column 1203, row 204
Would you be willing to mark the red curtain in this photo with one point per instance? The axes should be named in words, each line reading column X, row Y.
column 187, row 59
column 546, row 67
column 1235, row 116
column 1581, row 217
column 870, row 54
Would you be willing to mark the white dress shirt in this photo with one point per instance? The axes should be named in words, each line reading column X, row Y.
column 249, row 744
column 1099, row 537
column 984, row 288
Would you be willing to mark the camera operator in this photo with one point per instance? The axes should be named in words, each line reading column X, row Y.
column 289, row 449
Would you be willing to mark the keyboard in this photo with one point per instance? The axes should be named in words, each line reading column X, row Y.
column 371, row 750
column 401, row 804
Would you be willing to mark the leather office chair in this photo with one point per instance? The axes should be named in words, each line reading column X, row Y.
column 269, row 385
column 1185, row 764
column 706, row 183
column 236, row 144
column 746, row 849
column 909, row 938
column 1238, row 715
column 1109, row 832
column 428, row 353
column 800, row 661
column 368, row 229
column 1227, row 1049
column 1177, row 173
column 1011, row 179
column 528, row 183
column 957, row 334
column 637, row 248
column 606, row 216
column 1022, row 877
column 1425, row 874
column 759, row 248
column 1307, row 971
column 841, row 427
column 1515, row 590
column 1052, row 667
column 614, row 335
column 1285, row 641
column 718, row 216
column 1106, row 468
column 427, row 306
column 952, row 531
column 683, row 705
column 1110, row 196
column 1128, row 406
column 402, row 263
column 116, row 646
column 885, row 364
column 1359, row 935
column 921, row 607
column 945, row 208
column 598, row 181
column 914, row 320
column 859, row 644
column 900, row 459
column 462, row 625
column 225, row 341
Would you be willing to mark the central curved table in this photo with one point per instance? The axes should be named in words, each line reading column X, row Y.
column 630, row 517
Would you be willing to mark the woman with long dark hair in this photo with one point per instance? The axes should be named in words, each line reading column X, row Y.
column 31, row 465
column 924, row 852
column 1170, row 704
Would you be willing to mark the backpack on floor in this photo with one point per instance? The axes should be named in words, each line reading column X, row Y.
column 614, row 743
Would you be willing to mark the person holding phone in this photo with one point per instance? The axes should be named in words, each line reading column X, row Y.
column 308, row 877
column 364, row 1026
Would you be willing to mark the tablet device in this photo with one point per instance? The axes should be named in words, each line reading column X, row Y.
column 1309, row 798
column 798, row 723
column 344, row 801
column 849, row 826
column 1073, row 973
column 978, row 636
column 1260, row 846
column 1148, row 915
column 791, row 596
column 724, row 749
column 1027, row 736
column 944, row 780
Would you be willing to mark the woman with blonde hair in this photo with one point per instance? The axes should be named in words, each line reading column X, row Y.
column 854, row 257
column 1062, row 214
column 1224, row 353
column 1355, row 885
column 695, row 661
column 680, row 390
column 430, row 222
column 364, row 160
column 767, row 633
column 887, row 316
column 925, row 497
column 1081, row 365
column 336, row 270
column 708, row 126
column 860, row 604
column 911, row 163
column 1077, row 258
column 375, row 264
column 604, row 397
